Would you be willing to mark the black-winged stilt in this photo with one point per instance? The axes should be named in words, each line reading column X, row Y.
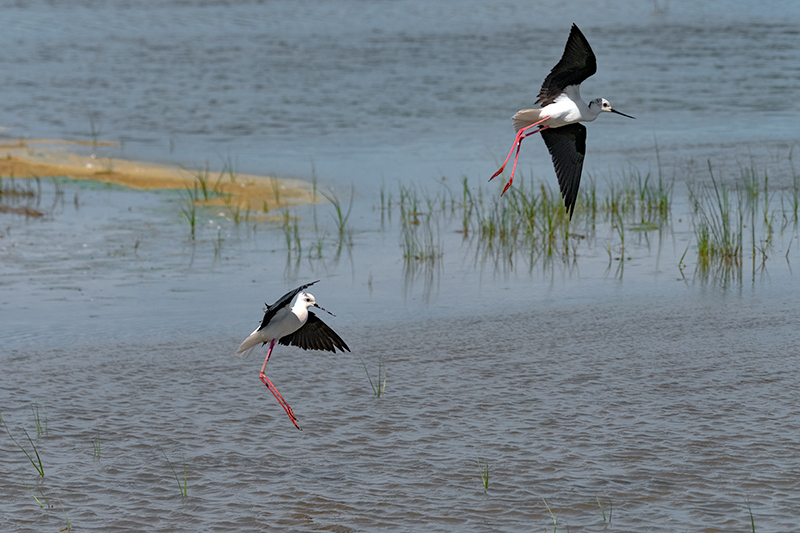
column 291, row 325
column 560, row 117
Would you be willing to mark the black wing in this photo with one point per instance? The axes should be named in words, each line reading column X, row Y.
column 315, row 335
column 577, row 63
column 567, row 147
column 282, row 302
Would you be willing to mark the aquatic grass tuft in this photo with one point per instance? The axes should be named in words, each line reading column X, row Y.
column 96, row 445
column 483, row 468
column 276, row 190
column 189, row 209
column 183, row 488
column 218, row 243
column 341, row 217
column 37, row 419
column 234, row 211
column 95, row 130
column 291, row 231
column 419, row 233
column 603, row 511
column 67, row 527
column 379, row 387
column 36, row 464
column 44, row 498
column 750, row 512
column 554, row 517
column 718, row 228
column 201, row 179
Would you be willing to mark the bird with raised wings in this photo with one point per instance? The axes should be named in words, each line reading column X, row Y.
column 291, row 325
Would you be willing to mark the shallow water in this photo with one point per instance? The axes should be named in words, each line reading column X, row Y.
column 404, row 90
column 670, row 399
column 663, row 393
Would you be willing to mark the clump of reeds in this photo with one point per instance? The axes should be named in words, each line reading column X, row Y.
column 719, row 225
column 419, row 233
column 202, row 177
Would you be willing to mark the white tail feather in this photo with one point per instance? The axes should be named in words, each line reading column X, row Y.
column 526, row 117
column 249, row 344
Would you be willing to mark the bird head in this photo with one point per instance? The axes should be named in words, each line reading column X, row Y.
column 308, row 300
column 601, row 104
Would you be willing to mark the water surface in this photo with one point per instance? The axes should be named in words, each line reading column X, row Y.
column 665, row 394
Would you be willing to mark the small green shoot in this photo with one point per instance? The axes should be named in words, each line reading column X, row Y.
column 37, row 419
column 483, row 468
column 341, row 217
column 68, row 527
column 378, row 388
column 554, row 517
column 276, row 190
column 603, row 511
column 189, row 209
column 96, row 445
column 46, row 501
column 750, row 512
column 291, row 230
column 218, row 243
column 183, row 488
column 95, row 130
column 39, row 468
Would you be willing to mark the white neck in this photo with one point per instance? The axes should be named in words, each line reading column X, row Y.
column 300, row 310
column 594, row 111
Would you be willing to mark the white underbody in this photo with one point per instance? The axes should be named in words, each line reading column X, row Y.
column 285, row 322
column 568, row 108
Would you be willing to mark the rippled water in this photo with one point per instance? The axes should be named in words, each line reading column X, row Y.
column 668, row 398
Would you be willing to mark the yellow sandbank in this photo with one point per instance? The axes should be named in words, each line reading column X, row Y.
column 26, row 159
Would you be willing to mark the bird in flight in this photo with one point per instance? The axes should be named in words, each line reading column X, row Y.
column 559, row 119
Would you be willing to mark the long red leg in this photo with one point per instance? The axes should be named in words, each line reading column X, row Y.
column 514, row 168
column 516, row 140
column 274, row 390
column 517, row 143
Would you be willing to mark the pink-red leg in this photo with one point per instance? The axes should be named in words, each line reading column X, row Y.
column 516, row 157
column 517, row 143
column 274, row 390
column 516, row 140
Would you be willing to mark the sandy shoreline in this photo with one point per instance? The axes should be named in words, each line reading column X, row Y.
column 40, row 158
